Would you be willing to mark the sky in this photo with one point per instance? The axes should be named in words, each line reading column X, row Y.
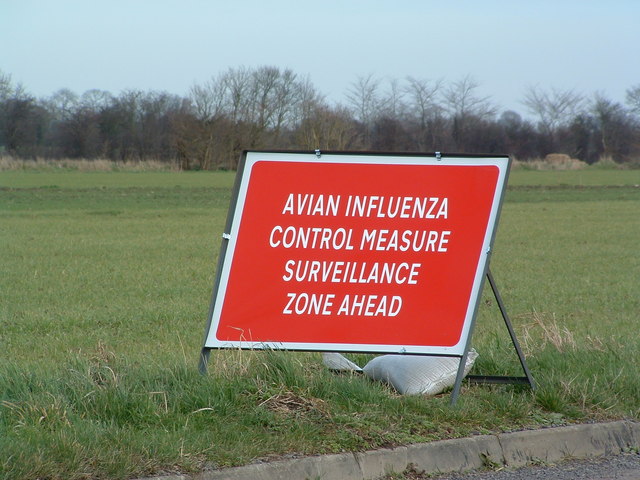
column 170, row 45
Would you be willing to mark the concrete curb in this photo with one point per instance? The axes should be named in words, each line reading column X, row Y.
column 510, row 449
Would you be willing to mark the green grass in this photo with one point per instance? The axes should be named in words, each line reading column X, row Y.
column 586, row 177
column 105, row 282
column 83, row 180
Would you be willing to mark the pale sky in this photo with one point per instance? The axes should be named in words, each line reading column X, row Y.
column 170, row 45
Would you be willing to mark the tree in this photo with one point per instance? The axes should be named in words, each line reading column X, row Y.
column 519, row 136
column 274, row 98
column 23, row 126
column 583, row 138
column 95, row 100
column 390, row 135
column 633, row 99
column 363, row 97
column 9, row 91
column 466, row 108
column 23, row 121
column 614, row 126
column 75, row 128
column 425, row 112
column 308, row 101
column 6, row 89
column 554, row 109
column 208, row 100
column 63, row 104
column 245, row 108
column 204, row 139
column 392, row 105
column 328, row 128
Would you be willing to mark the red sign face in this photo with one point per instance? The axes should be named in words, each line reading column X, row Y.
column 356, row 253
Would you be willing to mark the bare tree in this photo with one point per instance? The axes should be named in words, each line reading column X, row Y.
column 328, row 129
column 245, row 108
column 461, row 99
column 95, row 100
column 9, row 91
column 208, row 99
column 222, row 108
column 553, row 109
column 198, row 141
column 64, row 103
column 23, row 120
column 6, row 89
column 633, row 99
column 615, row 126
column 363, row 98
column 75, row 127
column 278, row 96
column 263, row 86
column 392, row 104
column 465, row 108
column 308, row 100
column 425, row 110
column 519, row 136
column 423, row 98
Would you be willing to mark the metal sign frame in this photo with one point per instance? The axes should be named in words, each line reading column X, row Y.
column 249, row 160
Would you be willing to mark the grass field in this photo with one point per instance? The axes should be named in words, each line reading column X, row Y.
column 105, row 282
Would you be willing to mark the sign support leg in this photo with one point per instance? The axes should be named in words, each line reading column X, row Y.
column 526, row 380
column 460, row 375
column 204, row 360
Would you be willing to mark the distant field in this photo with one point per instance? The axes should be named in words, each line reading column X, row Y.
column 587, row 177
column 77, row 179
column 105, row 283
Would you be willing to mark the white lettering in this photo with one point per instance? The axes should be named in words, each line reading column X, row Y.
column 311, row 237
column 309, row 304
column 405, row 240
column 370, row 305
column 392, row 207
column 309, row 204
column 324, row 271
column 287, row 310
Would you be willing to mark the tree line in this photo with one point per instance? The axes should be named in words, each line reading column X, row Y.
column 272, row 108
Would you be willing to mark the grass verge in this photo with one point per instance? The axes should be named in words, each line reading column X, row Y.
column 104, row 288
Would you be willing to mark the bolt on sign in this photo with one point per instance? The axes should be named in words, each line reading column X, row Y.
column 355, row 252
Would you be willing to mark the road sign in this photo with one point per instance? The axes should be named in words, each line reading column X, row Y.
column 356, row 252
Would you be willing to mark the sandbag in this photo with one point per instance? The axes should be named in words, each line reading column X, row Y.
column 337, row 362
column 417, row 374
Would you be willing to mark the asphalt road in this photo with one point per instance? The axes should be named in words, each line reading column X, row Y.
column 619, row 467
